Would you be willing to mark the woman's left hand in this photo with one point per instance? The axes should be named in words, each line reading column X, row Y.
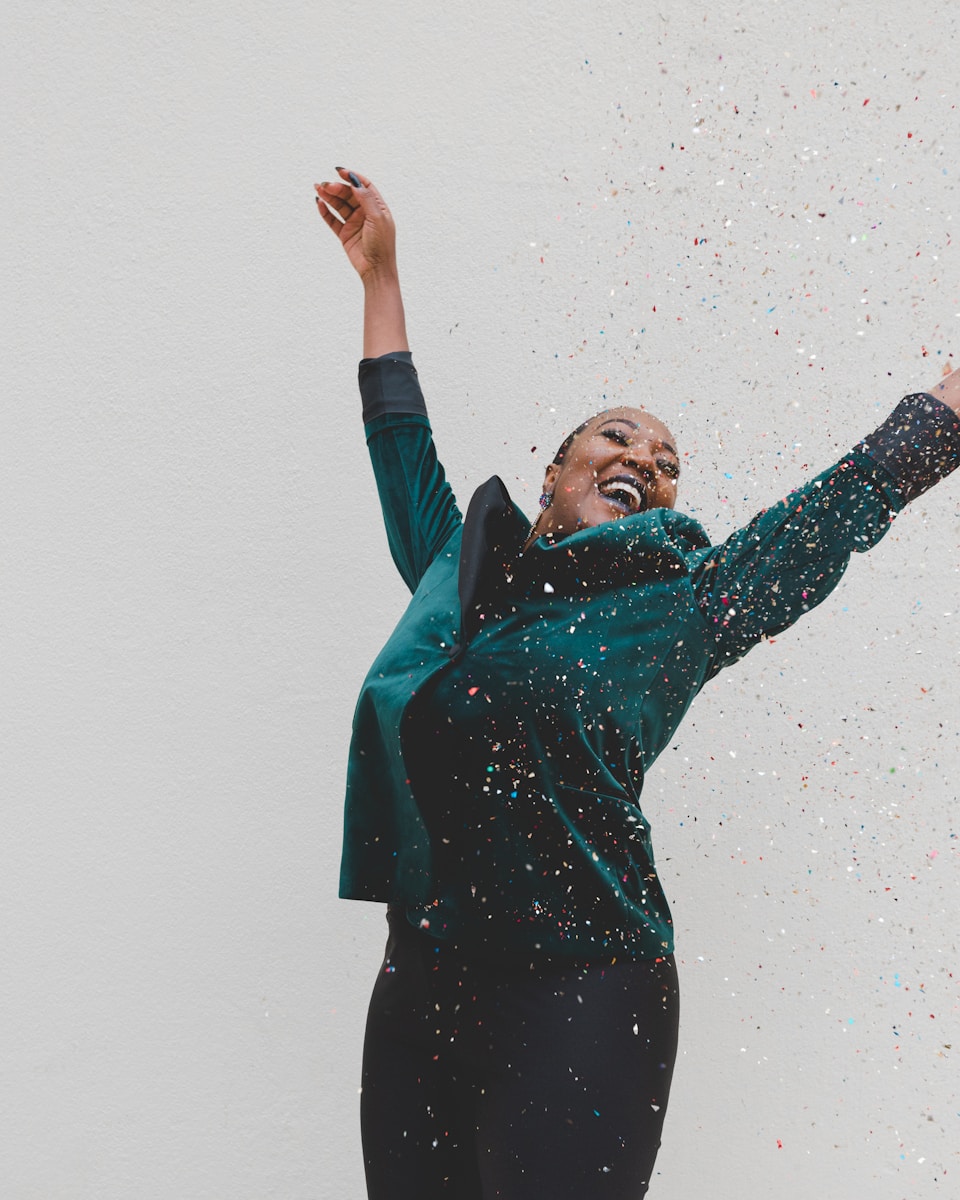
column 948, row 390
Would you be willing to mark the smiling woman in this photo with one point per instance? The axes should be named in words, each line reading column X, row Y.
column 522, row 1030
column 618, row 463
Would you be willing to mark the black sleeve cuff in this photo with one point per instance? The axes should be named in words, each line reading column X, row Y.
column 389, row 384
column 918, row 444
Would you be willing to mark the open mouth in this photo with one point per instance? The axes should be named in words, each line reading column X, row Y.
column 624, row 493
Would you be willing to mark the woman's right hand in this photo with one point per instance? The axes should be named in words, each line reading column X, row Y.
column 361, row 220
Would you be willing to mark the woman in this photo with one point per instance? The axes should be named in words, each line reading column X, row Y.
column 522, row 1031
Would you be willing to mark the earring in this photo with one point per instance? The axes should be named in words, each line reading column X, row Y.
column 546, row 499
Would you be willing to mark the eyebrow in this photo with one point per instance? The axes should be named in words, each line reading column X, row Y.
column 634, row 425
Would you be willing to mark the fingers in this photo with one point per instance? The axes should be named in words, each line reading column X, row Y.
column 343, row 191
column 366, row 194
column 341, row 208
column 339, row 197
column 345, row 199
column 347, row 196
column 353, row 177
column 333, row 222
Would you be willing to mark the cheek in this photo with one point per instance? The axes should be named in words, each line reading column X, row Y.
column 579, row 484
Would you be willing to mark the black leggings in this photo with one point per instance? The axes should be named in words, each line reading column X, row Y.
column 482, row 1081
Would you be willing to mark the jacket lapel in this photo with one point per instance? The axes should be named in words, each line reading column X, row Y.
column 493, row 532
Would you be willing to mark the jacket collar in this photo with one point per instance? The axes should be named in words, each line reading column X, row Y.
column 494, row 530
column 646, row 548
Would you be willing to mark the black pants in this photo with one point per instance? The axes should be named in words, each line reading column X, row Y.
column 483, row 1081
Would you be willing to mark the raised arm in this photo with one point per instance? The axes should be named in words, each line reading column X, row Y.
column 419, row 509
column 791, row 556
column 358, row 215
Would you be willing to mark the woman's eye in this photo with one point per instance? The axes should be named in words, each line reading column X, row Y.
column 666, row 465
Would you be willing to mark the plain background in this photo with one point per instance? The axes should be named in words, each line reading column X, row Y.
column 738, row 215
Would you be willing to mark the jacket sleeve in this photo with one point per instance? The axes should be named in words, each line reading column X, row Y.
column 791, row 556
column 418, row 505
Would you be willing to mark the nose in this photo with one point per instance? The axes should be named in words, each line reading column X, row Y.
column 640, row 456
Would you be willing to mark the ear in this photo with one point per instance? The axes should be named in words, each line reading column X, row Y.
column 550, row 477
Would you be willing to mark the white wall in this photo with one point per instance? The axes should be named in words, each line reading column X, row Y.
column 194, row 577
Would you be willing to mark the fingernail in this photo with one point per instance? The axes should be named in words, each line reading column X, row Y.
column 353, row 179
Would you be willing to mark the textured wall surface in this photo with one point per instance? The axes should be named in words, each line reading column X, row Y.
column 739, row 215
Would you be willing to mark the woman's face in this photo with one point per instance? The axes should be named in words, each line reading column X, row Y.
column 623, row 462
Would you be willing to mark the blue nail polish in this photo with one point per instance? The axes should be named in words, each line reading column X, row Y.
column 353, row 179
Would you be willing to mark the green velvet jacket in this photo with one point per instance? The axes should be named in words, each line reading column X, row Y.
column 502, row 735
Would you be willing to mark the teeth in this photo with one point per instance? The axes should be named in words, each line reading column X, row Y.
column 621, row 491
